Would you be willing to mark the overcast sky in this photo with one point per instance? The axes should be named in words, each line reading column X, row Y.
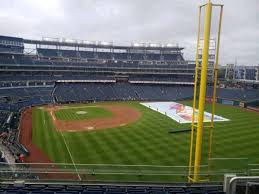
column 126, row 21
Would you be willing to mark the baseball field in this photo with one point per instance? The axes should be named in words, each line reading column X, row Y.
column 120, row 137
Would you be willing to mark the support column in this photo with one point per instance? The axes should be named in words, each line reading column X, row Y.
column 257, row 74
column 244, row 77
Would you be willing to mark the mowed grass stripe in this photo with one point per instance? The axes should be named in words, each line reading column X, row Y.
column 89, row 113
column 59, row 145
column 238, row 134
column 53, row 144
column 148, row 142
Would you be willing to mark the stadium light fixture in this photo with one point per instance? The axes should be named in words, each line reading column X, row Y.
column 136, row 44
column 79, row 41
column 45, row 39
column 153, row 45
column 87, row 42
column 70, row 40
column 106, row 43
column 139, row 44
column 169, row 45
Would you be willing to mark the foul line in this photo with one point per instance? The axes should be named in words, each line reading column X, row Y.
column 67, row 150
column 71, row 156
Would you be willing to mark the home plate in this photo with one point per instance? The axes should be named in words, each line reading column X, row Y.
column 89, row 128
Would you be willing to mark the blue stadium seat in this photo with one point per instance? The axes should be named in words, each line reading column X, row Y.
column 67, row 192
column 92, row 192
column 43, row 192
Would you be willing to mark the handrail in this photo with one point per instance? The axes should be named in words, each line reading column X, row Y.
column 240, row 178
column 248, row 184
column 115, row 165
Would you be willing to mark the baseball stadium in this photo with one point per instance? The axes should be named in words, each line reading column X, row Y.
column 98, row 117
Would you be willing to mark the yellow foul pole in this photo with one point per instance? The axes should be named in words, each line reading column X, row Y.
column 203, row 83
column 214, row 87
column 194, row 94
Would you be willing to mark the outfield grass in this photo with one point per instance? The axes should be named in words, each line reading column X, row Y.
column 90, row 112
column 147, row 142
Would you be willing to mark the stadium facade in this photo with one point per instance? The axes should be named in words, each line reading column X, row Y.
column 53, row 64
column 242, row 74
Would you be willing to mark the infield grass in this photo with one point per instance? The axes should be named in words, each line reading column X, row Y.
column 147, row 142
column 87, row 112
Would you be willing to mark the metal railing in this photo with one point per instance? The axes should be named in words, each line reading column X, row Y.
column 234, row 180
column 114, row 172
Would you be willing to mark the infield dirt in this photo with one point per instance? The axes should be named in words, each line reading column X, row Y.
column 121, row 115
column 35, row 154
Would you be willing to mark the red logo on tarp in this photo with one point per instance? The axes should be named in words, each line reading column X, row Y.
column 177, row 107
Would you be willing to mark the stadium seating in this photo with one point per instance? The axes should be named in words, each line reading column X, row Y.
column 169, row 57
column 69, row 92
column 47, row 52
column 245, row 73
column 21, row 96
column 10, row 49
column 24, row 96
column 3, row 121
column 108, row 55
column 6, row 60
column 235, row 93
column 162, row 78
column 11, row 45
column 250, row 74
column 110, row 189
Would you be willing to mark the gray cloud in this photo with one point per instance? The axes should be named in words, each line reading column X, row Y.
column 125, row 21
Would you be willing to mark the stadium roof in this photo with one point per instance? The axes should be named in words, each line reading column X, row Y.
column 104, row 45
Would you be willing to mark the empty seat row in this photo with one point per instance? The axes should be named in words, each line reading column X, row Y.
column 108, row 189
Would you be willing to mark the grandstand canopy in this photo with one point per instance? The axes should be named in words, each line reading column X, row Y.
column 57, row 42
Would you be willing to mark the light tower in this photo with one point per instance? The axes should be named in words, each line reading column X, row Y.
column 197, row 130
